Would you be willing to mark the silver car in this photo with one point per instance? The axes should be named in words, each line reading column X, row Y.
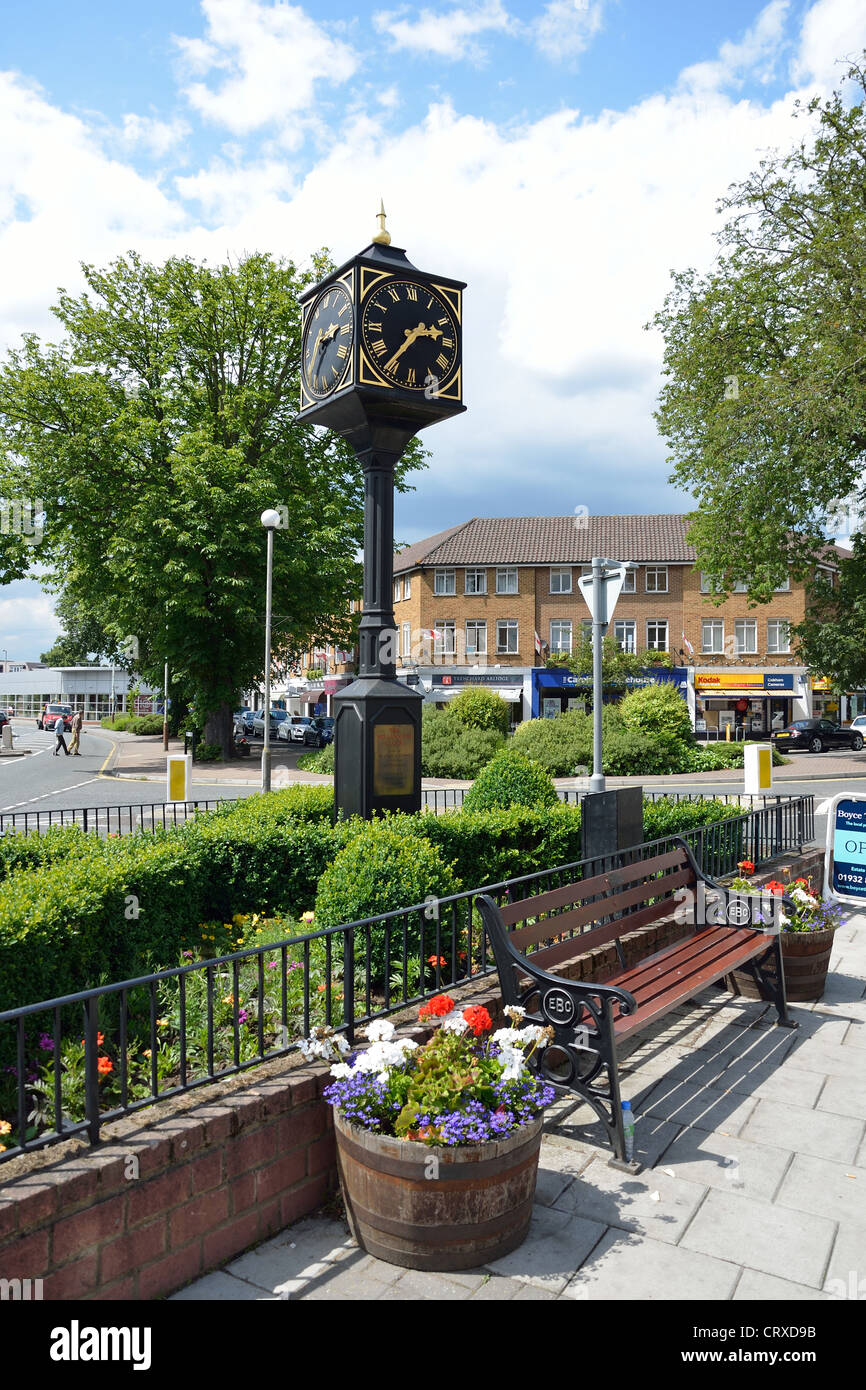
column 294, row 728
column 278, row 718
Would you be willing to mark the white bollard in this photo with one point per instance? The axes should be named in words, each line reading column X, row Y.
column 758, row 768
column 178, row 777
column 7, row 738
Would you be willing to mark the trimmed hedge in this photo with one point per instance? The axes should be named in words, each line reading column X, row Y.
column 510, row 779
column 77, row 910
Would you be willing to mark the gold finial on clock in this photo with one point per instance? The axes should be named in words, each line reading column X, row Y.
column 382, row 237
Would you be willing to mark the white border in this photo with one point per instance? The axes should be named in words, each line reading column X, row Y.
column 829, row 890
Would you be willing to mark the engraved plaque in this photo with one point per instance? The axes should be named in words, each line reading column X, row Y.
column 393, row 760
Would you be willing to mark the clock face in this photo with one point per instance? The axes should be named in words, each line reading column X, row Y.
column 327, row 348
column 410, row 336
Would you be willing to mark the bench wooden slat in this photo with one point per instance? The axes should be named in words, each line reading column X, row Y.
column 679, row 988
column 579, row 891
column 551, row 927
column 579, row 945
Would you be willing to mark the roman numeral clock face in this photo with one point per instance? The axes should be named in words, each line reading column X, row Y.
column 409, row 335
column 327, row 350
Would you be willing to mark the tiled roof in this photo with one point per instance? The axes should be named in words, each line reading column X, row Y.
column 554, row 540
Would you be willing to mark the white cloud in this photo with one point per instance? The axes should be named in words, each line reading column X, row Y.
column 28, row 625
column 156, row 138
column 755, row 56
column 451, row 35
column 271, row 59
column 567, row 28
column 832, row 30
column 227, row 189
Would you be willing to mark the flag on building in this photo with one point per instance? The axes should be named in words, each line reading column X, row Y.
column 538, row 644
column 688, row 646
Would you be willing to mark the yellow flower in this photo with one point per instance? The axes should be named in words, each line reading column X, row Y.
column 162, row 1023
column 255, row 918
column 228, row 999
column 308, row 916
column 148, row 1053
column 5, row 1127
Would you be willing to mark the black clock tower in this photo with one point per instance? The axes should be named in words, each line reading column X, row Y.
column 381, row 359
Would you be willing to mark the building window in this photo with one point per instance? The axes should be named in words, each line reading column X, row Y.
column 625, row 635
column 783, row 589
column 708, row 583
column 398, row 590
column 476, row 638
column 476, row 582
column 407, row 586
column 407, row 641
column 560, row 581
column 506, row 581
column 656, row 581
column 778, row 638
column 712, row 635
column 560, row 636
column 628, row 585
column 506, row 635
column 745, row 636
column 586, row 629
column 657, row 635
column 445, row 644
column 445, row 583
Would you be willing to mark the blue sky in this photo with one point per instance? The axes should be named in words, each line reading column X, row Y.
column 560, row 156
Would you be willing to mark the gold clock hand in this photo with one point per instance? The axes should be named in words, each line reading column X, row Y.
column 411, row 334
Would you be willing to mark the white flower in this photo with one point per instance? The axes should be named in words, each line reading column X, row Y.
column 506, row 1037
column 801, row 896
column 382, row 1030
column 515, row 1012
column 533, row 1032
column 341, row 1069
column 454, row 1023
column 783, row 919
column 513, row 1062
column 341, row 1044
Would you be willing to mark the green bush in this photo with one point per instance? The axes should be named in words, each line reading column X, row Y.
column 490, row 846
column 558, row 745
column 450, row 749
column 20, row 851
column 385, row 865
column 478, row 708
column 658, row 710
column 208, row 753
column 510, row 779
column 146, row 724
column 320, row 761
column 120, row 722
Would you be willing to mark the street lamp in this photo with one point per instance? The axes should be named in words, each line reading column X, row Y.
column 601, row 589
column 270, row 521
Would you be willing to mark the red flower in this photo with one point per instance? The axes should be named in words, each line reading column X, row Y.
column 747, row 866
column 436, row 960
column 437, row 1007
column 774, row 887
column 104, row 1066
column 478, row 1019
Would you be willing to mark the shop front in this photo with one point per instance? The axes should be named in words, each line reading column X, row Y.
column 750, row 703
column 556, row 690
column 444, row 685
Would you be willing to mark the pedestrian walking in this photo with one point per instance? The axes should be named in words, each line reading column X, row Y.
column 78, row 720
column 59, row 726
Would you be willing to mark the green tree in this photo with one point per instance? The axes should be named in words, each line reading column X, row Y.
column 764, row 402
column 478, row 708
column 83, row 641
column 159, row 429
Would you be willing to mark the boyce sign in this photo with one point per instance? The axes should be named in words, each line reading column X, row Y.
column 845, row 860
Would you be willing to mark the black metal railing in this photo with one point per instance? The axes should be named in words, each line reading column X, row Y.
column 178, row 1029
column 451, row 798
column 109, row 820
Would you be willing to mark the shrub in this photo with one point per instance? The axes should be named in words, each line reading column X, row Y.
column 449, row 749
column 385, row 865
column 558, row 745
column 477, row 708
column 658, row 710
column 120, row 722
column 208, row 753
column 146, row 724
column 510, row 779
column 320, row 761
column 490, row 846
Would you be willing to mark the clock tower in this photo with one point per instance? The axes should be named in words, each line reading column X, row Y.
column 381, row 359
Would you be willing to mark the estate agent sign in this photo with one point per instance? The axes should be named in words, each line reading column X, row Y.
column 845, row 860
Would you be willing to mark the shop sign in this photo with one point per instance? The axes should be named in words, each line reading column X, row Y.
column 821, row 684
column 744, row 680
column 473, row 678
column 845, row 860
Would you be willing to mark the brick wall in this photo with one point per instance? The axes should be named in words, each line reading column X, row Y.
column 152, row 1208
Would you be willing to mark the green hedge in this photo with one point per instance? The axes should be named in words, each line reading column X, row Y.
column 77, row 910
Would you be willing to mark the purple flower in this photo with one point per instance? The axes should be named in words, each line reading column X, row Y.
column 272, row 965
column 46, row 1042
column 243, row 1016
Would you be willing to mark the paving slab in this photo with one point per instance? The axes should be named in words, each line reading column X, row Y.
column 496, row 1288
column 555, row 1248
column 813, row 1054
column 834, row 1190
column 730, row 1163
column 417, row 1284
column 766, row 1288
column 682, row 1103
column 220, row 1287
column 624, row 1267
column 652, row 1137
column 846, row 1275
column 651, row 1203
column 295, row 1257
column 843, row 1097
column 807, row 1131
column 763, row 1237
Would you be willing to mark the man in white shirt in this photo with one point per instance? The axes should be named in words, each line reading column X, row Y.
column 59, row 727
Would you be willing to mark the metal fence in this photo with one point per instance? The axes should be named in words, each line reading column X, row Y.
column 450, row 798
column 182, row 1028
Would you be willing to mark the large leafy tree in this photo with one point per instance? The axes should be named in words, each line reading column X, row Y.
column 764, row 399
column 155, row 434
column 83, row 641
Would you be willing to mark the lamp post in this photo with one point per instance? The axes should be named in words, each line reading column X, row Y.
column 601, row 589
column 270, row 521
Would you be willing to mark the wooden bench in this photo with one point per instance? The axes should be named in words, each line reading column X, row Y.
column 725, row 932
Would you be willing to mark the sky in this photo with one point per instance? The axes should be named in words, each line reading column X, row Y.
column 562, row 158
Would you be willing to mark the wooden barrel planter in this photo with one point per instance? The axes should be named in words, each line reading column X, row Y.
column 437, row 1208
column 805, row 959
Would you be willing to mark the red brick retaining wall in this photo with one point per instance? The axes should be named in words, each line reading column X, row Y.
column 151, row 1209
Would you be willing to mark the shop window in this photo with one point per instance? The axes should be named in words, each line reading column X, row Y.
column 506, row 581
column 657, row 635
column 778, row 638
column 712, row 635
column 625, row 635
column 560, row 581
column 506, row 636
column 745, row 637
column 445, row 583
column 560, row 636
column 476, row 639
column 656, row 580
column 476, row 582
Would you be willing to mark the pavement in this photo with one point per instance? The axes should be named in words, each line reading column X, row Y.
column 754, row 1184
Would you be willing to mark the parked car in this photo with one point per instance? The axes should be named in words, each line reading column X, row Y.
column 257, row 723
column 241, row 719
column 319, row 732
column 859, row 723
column 293, row 729
column 816, row 735
column 48, row 717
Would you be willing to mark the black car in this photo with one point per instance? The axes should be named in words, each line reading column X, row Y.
column 319, row 731
column 816, row 735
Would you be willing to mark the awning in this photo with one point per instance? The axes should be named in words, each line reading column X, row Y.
column 511, row 693
column 313, row 697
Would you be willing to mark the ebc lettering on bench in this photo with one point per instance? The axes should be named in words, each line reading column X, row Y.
column 726, row 933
